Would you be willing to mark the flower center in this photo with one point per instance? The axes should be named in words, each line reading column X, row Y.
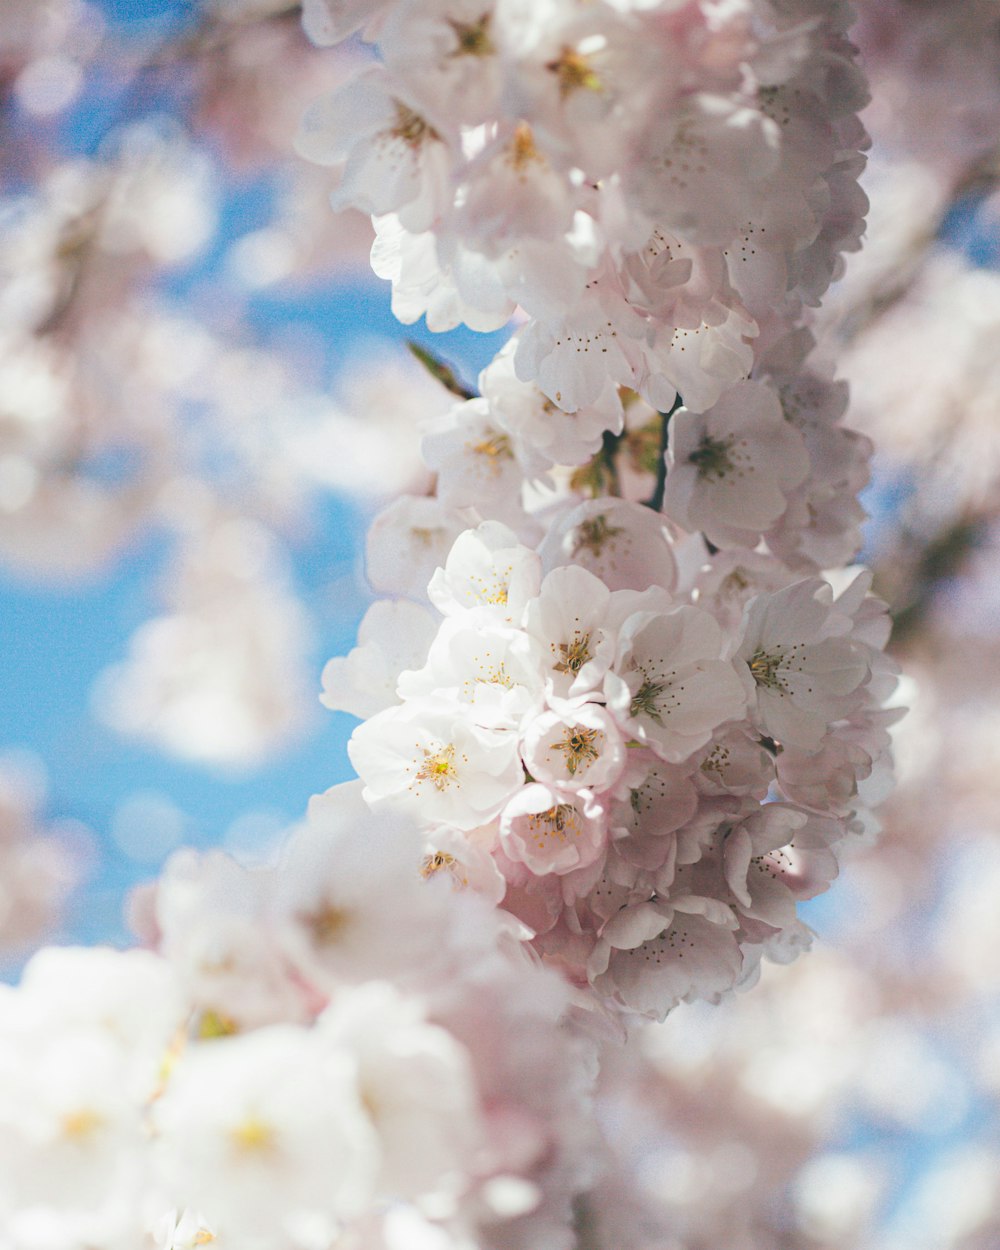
column 80, row 1124
column 574, row 654
column 580, row 747
column 733, row 584
column 325, row 923
column 253, row 1136
column 473, row 38
column 497, row 676
column 645, row 701
column 214, row 1024
column 434, row 862
column 574, row 72
column 716, row 761
column 765, row 666
column 411, row 127
column 493, row 449
column 712, row 458
column 439, row 768
column 594, row 533
column 497, row 595
column 560, row 821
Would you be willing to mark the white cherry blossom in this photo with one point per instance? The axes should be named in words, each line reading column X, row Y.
column 490, row 669
column 426, row 285
column 324, row 903
column 732, row 468
column 776, row 856
column 266, row 1131
column 487, row 568
column 479, row 462
column 541, row 829
column 431, row 761
column 652, row 801
column 208, row 913
column 561, row 437
column 669, row 686
column 804, row 672
column 653, row 955
column 407, row 541
column 416, row 1086
column 447, row 53
column 396, row 159
column 570, row 621
column 627, row 546
column 394, row 635
column 581, row 746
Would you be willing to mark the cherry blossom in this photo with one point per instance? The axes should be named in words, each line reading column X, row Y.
column 549, row 147
column 732, row 469
column 625, row 708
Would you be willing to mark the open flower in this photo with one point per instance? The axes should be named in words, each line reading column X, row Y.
column 429, row 760
column 669, row 688
column 733, row 467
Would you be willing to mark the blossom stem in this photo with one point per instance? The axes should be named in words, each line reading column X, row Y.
column 655, row 501
column 609, row 450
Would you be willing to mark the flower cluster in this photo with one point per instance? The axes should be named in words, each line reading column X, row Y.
column 295, row 1064
column 647, row 746
column 645, row 729
column 655, row 185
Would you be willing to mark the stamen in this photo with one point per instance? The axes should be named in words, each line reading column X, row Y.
column 579, row 748
column 494, row 449
column 522, row 149
column 575, row 654
column 561, row 820
column 253, row 1136
column 574, row 72
column 765, row 668
column 438, row 768
column 434, row 862
column 645, row 700
column 411, row 127
column 594, row 533
column 79, row 1124
column 473, row 37
column 325, row 923
column 712, row 458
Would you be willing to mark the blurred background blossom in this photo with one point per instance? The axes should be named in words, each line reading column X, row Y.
column 204, row 396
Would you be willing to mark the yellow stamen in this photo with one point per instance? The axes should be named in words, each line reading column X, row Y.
column 494, row 449
column 574, row 72
column 434, row 862
column 253, row 1136
column 523, row 151
column 411, row 127
column 326, row 923
column 561, row 820
column 215, row 1024
column 579, row 748
column 79, row 1124
column 438, row 768
column 575, row 654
